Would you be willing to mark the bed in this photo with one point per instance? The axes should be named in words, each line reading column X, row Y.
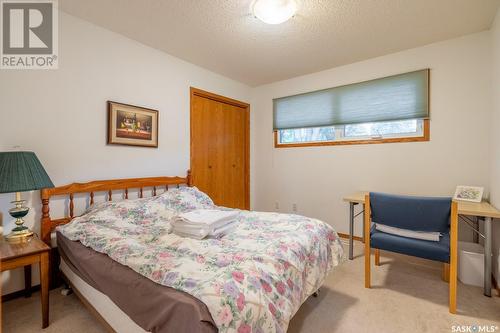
column 122, row 260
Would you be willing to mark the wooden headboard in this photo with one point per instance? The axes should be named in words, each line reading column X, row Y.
column 108, row 186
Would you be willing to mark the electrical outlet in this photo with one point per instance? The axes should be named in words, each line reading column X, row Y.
column 277, row 205
column 294, row 208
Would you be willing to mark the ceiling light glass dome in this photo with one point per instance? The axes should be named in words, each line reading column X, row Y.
column 274, row 11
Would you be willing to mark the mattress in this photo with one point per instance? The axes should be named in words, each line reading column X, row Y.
column 114, row 316
column 131, row 302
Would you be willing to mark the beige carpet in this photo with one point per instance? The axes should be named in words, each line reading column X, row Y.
column 407, row 296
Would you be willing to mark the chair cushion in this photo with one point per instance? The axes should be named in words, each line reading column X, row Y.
column 439, row 251
column 411, row 213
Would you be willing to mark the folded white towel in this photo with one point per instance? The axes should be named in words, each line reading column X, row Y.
column 207, row 216
column 423, row 235
column 198, row 232
column 203, row 222
column 224, row 230
column 202, row 233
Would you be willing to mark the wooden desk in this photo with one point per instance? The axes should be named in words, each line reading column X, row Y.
column 482, row 210
column 15, row 255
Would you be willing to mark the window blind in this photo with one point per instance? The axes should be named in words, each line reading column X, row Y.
column 398, row 97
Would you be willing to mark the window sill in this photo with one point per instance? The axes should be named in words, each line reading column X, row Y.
column 424, row 137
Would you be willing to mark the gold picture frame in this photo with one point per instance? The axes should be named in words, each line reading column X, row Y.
column 132, row 125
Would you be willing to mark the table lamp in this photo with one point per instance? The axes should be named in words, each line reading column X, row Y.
column 21, row 171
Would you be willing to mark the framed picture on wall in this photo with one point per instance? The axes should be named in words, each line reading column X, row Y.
column 132, row 125
column 469, row 193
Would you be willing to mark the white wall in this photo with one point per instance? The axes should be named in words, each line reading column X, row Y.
column 495, row 141
column 61, row 114
column 316, row 178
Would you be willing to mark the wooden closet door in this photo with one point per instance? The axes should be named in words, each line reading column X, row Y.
column 235, row 161
column 219, row 148
column 206, row 160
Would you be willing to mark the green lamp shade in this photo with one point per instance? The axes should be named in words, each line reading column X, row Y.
column 21, row 171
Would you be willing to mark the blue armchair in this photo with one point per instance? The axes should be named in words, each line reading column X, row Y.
column 415, row 214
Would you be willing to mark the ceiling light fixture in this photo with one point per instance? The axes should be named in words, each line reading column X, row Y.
column 274, row 11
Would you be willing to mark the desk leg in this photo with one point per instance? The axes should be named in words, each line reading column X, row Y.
column 351, row 229
column 44, row 285
column 27, row 281
column 487, row 256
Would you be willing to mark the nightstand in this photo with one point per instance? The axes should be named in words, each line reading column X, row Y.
column 33, row 251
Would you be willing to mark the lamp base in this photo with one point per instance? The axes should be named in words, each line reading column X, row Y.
column 19, row 236
column 21, row 232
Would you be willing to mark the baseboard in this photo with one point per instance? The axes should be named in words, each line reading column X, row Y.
column 19, row 293
column 356, row 238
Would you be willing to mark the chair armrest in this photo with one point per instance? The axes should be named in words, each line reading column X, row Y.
column 367, row 240
column 453, row 256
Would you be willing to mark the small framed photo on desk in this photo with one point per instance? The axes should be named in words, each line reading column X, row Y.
column 469, row 193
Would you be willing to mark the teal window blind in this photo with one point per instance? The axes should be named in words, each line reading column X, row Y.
column 398, row 97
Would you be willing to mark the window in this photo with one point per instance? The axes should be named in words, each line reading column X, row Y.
column 369, row 131
column 392, row 109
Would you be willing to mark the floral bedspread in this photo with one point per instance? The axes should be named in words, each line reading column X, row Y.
column 252, row 280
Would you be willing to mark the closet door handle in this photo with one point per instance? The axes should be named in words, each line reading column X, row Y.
column 210, row 167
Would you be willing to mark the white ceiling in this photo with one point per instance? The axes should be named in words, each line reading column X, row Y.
column 223, row 35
